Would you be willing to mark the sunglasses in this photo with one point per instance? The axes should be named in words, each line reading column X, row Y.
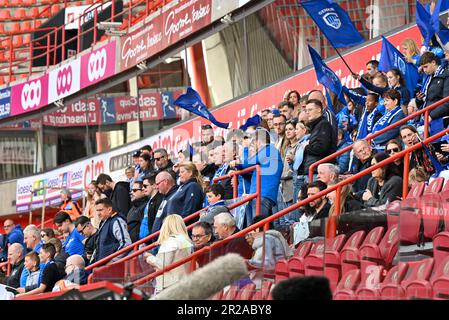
column 392, row 150
column 135, row 190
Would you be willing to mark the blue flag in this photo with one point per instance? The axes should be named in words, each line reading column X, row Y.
column 439, row 28
column 423, row 22
column 326, row 76
column 191, row 101
column 390, row 57
column 334, row 22
column 252, row 121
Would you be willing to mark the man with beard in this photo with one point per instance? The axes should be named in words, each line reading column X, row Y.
column 135, row 214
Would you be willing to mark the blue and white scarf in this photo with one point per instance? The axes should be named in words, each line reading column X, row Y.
column 385, row 121
column 438, row 72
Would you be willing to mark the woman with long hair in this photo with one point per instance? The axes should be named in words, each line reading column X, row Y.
column 391, row 148
column 174, row 245
column 384, row 186
column 411, row 51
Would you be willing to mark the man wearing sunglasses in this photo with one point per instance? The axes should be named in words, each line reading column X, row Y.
column 135, row 214
column 163, row 162
column 85, row 228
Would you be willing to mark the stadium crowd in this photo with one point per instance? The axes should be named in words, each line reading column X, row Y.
column 163, row 188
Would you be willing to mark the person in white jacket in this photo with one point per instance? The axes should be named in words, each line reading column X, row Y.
column 175, row 245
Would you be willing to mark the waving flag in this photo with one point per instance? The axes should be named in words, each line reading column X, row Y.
column 326, row 76
column 390, row 57
column 334, row 22
column 191, row 101
column 423, row 22
column 252, row 121
column 440, row 29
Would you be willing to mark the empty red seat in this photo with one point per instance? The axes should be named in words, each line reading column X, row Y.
column 347, row 285
column 281, row 270
column 416, row 191
column 350, row 256
column 369, row 287
column 34, row 12
column 440, row 247
column 15, row 3
column 430, row 211
column 296, row 264
column 303, row 249
column 247, row 292
column 5, row 14
column 314, row 263
column 388, row 289
column 28, row 3
column 37, row 23
column 20, row 13
column 264, row 292
column 17, row 40
column 383, row 253
column 440, row 282
column 26, row 26
column 15, row 28
column 54, row 9
column 435, row 186
column 445, row 186
column 417, row 270
column 410, row 223
column 231, row 293
column 332, row 259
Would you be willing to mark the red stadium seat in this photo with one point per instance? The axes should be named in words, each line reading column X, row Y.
column 231, row 293
column 393, row 277
column 416, row 191
column 435, row 186
column 303, row 249
column 314, row 263
column 281, row 270
column 347, row 285
column 430, row 211
column 5, row 14
column 34, row 12
column 264, row 292
column 28, row 3
column 247, row 292
column 217, row 296
column 17, row 41
column 410, row 224
column 15, row 3
column 440, row 282
column 382, row 254
column 350, row 257
column 440, row 247
column 296, row 264
column 26, row 26
column 20, row 14
column 417, row 270
column 446, row 186
column 15, row 28
column 332, row 259
column 370, row 283
column 54, row 9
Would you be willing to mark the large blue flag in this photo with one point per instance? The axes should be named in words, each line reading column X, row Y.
column 423, row 22
column 390, row 57
column 252, row 121
column 440, row 29
column 334, row 22
column 326, row 76
column 192, row 102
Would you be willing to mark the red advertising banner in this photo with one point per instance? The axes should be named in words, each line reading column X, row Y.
column 141, row 43
column 145, row 108
column 77, row 114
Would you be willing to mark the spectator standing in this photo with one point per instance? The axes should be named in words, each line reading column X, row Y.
column 343, row 159
column 154, row 200
column 68, row 205
column 302, row 135
column 222, row 156
column 146, row 166
column 73, row 243
column 163, row 162
column 135, row 215
column 295, row 99
column 207, row 134
column 120, row 197
column 287, row 109
column 175, row 245
column 113, row 234
column 165, row 184
column 93, row 194
column 279, row 122
column 327, row 114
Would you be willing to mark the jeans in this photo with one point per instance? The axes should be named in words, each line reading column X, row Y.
column 266, row 209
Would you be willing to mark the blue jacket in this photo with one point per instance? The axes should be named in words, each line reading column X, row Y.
column 390, row 134
column 162, row 211
column 16, row 235
column 73, row 244
column 187, row 199
column 343, row 160
column 112, row 236
column 271, row 166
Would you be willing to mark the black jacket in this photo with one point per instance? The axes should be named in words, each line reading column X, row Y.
column 437, row 90
column 121, row 201
column 209, row 171
column 155, row 202
column 16, row 270
column 135, row 216
column 389, row 192
column 322, row 142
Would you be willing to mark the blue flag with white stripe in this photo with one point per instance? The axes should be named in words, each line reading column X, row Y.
column 326, row 76
column 423, row 22
column 390, row 58
column 334, row 22
column 440, row 29
column 191, row 101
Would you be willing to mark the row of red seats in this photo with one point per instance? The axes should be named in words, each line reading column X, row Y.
column 248, row 292
column 408, row 280
column 29, row 3
column 20, row 27
column 32, row 13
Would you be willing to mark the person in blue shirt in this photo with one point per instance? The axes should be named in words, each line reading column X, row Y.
column 33, row 242
column 73, row 243
column 271, row 165
column 13, row 232
column 393, row 114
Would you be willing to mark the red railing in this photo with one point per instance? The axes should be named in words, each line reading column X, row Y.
column 135, row 245
column 150, row 6
column 378, row 133
column 330, row 233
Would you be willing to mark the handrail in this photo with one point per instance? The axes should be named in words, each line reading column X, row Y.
column 149, row 6
column 136, row 244
column 299, row 204
column 378, row 133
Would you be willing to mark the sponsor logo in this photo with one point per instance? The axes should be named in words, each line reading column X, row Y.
column 96, row 66
column 332, row 20
column 64, row 80
column 31, row 95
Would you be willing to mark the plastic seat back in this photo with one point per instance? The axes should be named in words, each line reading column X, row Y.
column 347, row 285
column 281, row 270
column 416, row 191
column 435, row 186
